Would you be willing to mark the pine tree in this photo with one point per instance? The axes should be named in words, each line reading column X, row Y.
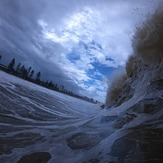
column 11, row 65
column 22, row 69
column 38, row 75
column 18, row 67
column 23, row 72
column 28, row 71
column 50, row 84
column 31, row 74
column 0, row 57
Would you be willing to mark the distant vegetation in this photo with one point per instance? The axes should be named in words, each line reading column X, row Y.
column 148, row 55
column 30, row 75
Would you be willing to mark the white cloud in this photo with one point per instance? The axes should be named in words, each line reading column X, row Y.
column 109, row 24
column 80, row 26
column 91, row 24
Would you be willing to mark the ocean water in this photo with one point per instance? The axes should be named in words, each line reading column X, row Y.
column 40, row 125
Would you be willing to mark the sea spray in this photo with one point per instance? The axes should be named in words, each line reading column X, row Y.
column 145, row 65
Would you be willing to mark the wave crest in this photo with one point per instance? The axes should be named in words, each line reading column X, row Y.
column 148, row 40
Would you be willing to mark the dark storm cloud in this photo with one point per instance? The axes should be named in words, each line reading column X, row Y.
column 21, row 37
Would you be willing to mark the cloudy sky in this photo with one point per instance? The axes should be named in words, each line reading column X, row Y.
column 77, row 43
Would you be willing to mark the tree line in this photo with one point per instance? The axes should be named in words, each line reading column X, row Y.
column 29, row 74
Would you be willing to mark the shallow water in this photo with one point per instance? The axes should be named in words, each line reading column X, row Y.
column 34, row 119
column 40, row 125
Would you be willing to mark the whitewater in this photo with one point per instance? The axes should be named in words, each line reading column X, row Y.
column 52, row 127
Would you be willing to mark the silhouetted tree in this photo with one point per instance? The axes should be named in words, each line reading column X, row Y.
column 18, row 67
column 50, row 84
column 31, row 74
column 46, row 83
column 28, row 71
column 22, row 69
column 23, row 72
column 11, row 65
column 0, row 57
column 38, row 75
column 56, row 87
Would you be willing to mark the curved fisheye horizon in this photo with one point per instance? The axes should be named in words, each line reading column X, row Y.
column 77, row 44
column 81, row 81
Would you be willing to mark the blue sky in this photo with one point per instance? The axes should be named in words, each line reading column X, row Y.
column 75, row 43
